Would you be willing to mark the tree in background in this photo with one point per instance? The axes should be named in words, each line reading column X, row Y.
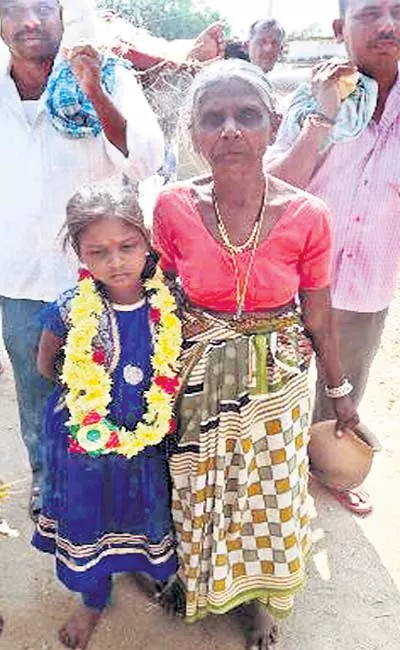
column 169, row 19
column 307, row 32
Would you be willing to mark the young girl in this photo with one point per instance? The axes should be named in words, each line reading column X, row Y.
column 117, row 340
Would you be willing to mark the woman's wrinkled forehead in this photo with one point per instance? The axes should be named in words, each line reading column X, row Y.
column 228, row 88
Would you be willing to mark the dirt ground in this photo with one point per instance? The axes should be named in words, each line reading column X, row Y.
column 352, row 601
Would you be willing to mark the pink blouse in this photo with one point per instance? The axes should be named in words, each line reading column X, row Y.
column 294, row 256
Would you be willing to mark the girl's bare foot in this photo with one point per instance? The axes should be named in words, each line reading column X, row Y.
column 79, row 628
column 260, row 630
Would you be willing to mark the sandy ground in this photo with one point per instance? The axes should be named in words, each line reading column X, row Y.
column 352, row 601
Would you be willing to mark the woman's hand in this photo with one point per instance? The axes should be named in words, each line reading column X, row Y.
column 346, row 414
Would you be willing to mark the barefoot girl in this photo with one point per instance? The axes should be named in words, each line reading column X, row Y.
column 117, row 341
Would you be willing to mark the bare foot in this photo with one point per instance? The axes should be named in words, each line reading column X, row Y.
column 79, row 628
column 260, row 630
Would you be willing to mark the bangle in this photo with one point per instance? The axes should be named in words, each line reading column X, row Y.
column 324, row 118
column 319, row 120
column 336, row 392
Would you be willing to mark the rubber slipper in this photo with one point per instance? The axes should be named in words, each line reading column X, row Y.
column 356, row 501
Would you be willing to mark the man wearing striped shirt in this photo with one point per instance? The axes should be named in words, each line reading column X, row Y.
column 360, row 181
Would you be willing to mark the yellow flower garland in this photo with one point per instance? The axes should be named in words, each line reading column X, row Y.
column 89, row 383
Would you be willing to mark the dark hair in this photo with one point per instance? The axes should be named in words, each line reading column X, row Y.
column 236, row 50
column 116, row 197
column 150, row 267
column 270, row 24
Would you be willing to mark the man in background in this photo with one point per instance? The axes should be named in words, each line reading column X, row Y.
column 41, row 166
column 359, row 179
column 266, row 41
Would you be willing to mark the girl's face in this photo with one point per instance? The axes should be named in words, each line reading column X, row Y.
column 115, row 253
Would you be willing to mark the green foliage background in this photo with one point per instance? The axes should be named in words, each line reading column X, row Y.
column 169, row 19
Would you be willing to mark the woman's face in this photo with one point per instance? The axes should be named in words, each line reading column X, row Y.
column 231, row 126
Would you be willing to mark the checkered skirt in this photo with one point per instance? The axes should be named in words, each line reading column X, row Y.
column 239, row 471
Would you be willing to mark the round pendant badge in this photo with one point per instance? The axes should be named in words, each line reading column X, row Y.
column 133, row 375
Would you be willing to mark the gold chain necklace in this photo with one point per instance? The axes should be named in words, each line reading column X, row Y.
column 235, row 250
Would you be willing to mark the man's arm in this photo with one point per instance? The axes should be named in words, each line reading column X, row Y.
column 128, row 122
column 113, row 123
column 295, row 162
column 209, row 45
column 144, row 138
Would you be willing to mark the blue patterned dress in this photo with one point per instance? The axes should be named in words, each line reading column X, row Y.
column 107, row 514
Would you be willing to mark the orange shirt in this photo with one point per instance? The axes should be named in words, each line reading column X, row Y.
column 295, row 255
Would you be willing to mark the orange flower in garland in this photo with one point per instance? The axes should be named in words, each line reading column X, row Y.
column 89, row 382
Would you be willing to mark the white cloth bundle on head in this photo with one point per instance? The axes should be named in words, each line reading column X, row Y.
column 80, row 22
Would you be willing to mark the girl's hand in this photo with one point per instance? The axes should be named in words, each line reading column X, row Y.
column 86, row 66
column 346, row 413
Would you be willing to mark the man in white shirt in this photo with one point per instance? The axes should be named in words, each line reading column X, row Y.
column 40, row 169
column 266, row 40
column 265, row 46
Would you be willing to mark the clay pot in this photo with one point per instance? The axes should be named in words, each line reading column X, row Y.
column 341, row 463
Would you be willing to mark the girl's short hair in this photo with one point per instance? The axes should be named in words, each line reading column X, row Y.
column 116, row 198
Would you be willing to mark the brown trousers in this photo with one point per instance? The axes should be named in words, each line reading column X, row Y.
column 359, row 339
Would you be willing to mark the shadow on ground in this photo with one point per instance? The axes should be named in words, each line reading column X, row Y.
column 350, row 603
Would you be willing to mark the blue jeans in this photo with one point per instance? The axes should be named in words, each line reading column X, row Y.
column 21, row 333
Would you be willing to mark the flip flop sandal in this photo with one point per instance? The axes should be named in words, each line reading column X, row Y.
column 34, row 504
column 356, row 501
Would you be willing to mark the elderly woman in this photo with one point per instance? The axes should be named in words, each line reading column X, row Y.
column 252, row 255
